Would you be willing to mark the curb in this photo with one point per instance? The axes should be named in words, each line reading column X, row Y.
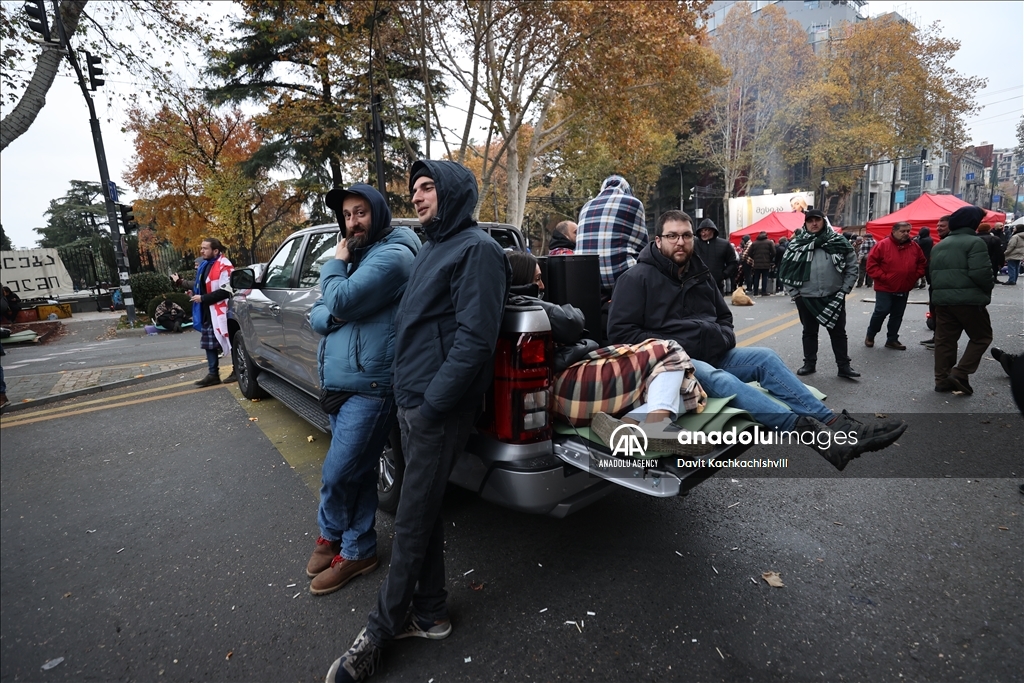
column 21, row 405
column 139, row 332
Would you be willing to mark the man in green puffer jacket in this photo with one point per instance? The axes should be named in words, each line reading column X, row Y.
column 962, row 285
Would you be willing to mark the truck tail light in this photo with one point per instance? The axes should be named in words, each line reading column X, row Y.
column 517, row 406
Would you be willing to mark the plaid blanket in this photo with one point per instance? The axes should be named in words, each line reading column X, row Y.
column 612, row 226
column 614, row 378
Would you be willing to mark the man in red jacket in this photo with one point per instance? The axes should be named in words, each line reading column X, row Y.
column 895, row 264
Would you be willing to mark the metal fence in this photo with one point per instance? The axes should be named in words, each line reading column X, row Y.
column 92, row 266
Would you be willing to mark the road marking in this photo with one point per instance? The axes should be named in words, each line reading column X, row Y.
column 287, row 432
column 36, row 417
column 103, row 400
column 747, row 330
column 768, row 333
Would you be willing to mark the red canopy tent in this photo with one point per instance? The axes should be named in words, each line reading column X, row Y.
column 925, row 211
column 778, row 224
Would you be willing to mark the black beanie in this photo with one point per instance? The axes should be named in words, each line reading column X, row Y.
column 967, row 217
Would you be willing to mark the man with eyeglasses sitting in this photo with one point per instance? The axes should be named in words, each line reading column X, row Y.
column 670, row 294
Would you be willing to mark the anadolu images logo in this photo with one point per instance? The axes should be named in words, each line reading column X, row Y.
column 626, row 441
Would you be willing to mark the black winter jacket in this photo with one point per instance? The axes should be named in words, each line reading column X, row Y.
column 651, row 302
column 447, row 325
column 762, row 253
column 716, row 253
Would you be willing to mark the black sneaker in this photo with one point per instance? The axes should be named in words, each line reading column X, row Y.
column 210, row 380
column 357, row 664
column 417, row 627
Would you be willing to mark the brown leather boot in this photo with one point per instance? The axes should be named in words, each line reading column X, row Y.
column 339, row 573
column 323, row 555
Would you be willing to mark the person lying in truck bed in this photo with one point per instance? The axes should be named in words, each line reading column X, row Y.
column 669, row 294
column 656, row 374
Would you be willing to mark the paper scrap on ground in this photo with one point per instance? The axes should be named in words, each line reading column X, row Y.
column 773, row 579
column 52, row 663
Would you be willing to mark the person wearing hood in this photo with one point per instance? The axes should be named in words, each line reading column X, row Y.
column 762, row 256
column 962, row 284
column 612, row 225
column 716, row 253
column 446, row 331
column 563, row 239
column 361, row 288
column 669, row 295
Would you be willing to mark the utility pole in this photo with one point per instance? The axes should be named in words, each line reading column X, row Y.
column 34, row 10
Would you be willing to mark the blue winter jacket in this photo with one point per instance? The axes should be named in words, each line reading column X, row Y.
column 356, row 310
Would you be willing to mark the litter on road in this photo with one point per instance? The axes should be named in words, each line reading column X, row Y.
column 52, row 663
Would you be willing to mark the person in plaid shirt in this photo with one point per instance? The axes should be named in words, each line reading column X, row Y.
column 864, row 246
column 612, row 226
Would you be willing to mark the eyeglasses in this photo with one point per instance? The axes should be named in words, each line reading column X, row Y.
column 676, row 236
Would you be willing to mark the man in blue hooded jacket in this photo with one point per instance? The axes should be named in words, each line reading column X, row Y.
column 446, row 331
column 360, row 291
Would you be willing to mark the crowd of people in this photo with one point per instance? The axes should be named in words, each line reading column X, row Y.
column 409, row 330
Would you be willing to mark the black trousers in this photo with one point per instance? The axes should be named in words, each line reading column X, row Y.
column 840, row 344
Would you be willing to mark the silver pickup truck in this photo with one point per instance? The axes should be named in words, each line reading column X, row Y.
column 521, row 456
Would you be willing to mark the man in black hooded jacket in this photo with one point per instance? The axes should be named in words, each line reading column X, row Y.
column 446, row 330
column 716, row 253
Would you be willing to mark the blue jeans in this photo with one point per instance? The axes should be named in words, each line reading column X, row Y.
column 892, row 305
column 742, row 365
column 416, row 575
column 213, row 361
column 1013, row 270
column 348, row 490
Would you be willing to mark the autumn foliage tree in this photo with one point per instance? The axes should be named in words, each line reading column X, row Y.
column 625, row 75
column 752, row 113
column 883, row 89
column 196, row 175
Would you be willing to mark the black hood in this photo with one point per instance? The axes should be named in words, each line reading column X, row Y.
column 707, row 223
column 380, row 218
column 560, row 241
column 456, row 196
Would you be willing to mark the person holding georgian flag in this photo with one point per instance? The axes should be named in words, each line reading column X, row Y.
column 210, row 308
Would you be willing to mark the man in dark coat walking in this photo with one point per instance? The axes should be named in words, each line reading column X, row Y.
column 962, row 284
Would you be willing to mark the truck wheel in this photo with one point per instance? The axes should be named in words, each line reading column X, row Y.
column 245, row 368
column 391, row 473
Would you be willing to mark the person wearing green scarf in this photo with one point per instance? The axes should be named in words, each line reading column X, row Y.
column 819, row 269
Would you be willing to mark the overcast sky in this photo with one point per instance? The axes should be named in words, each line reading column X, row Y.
column 39, row 166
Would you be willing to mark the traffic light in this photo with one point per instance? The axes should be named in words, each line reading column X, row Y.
column 128, row 218
column 36, row 11
column 95, row 71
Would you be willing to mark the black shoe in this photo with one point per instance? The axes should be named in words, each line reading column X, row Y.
column 807, row 369
column 927, row 342
column 870, row 438
column 357, row 664
column 210, row 380
column 848, row 372
column 961, row 384
column 1005, row 359
column 944, row 386
column 230, row 378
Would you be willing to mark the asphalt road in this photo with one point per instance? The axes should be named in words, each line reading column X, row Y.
column 91, row 344
column 157, row 537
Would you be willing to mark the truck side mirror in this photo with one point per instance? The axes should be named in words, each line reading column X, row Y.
column 243, row 278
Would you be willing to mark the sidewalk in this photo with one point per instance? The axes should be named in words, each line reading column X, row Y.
column 32, row 390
